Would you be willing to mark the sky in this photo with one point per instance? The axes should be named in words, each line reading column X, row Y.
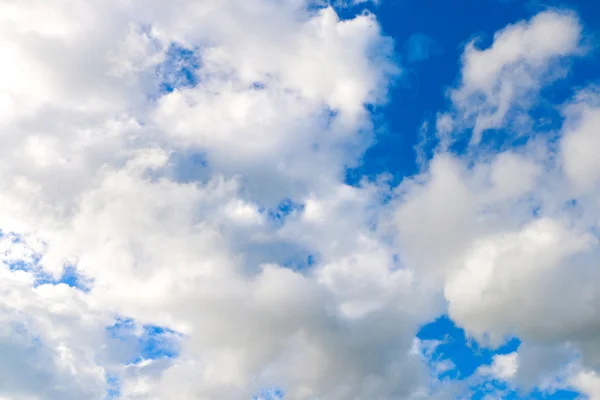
column 299, row 199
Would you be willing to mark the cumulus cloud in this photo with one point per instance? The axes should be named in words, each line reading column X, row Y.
column 186, row 161
column 102, row 109
column 504, row 366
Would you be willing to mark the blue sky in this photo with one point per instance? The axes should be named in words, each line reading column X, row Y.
column 300, row 200
column 447, row 26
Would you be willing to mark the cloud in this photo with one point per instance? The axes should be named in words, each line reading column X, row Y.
column 177, row 156
column 504, row 366
column 101, row 106
column 580, row 138
column 504, row 230
column 506, row 78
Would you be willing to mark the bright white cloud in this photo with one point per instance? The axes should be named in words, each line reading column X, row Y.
column 91, row 152
column 507, row 278
column 581, row 138
column 504, row 366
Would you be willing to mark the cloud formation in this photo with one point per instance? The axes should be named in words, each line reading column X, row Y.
column 187, row 162
column 500, row 84
column 102, row 106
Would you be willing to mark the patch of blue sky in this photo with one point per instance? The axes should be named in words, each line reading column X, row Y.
column 179, row 69
column 280, row 213
column 270, row 394
column 149, row 342
column 70, row 277
column 348, row 9
column 20, row 265
column 493, row 389
column 458, row 357
column 30, row 264
column 188, row 167
column 465, row 353
column 158, row 342
column 13, row 236
column 113, row 387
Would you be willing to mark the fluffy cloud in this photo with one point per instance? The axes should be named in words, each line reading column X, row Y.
column 187, row 163
column 504, row 366
column 580, row 138
column 151, row 149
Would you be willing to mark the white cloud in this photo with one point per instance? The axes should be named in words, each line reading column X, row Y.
column 507, row 76
column 89, row 147
column 545, row 365
column 581, row 139
column 509, row 277
column 504, row 366
column 588, row 382
column 504, row 234
column 88, row 159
